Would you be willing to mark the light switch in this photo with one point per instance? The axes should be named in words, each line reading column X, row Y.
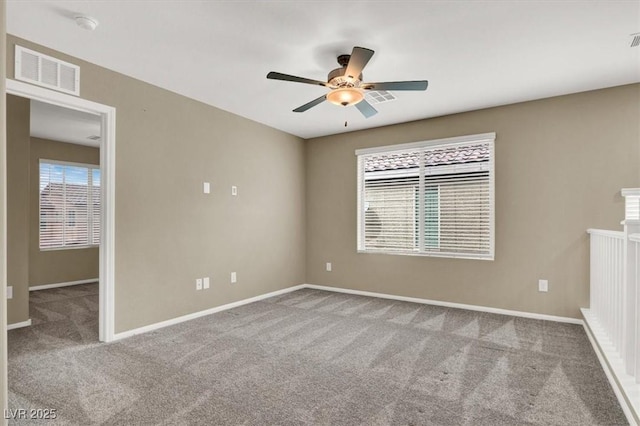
column 234, row 277
column 328, row 266
column 543, row 285
column 234, row 190
column 206, row 188
column 205, row 283
column 9, row 292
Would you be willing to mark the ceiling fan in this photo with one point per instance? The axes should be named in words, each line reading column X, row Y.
column 346, row 83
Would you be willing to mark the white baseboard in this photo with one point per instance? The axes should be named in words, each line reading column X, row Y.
column 167, row 323
column 65, row 284
column 449, row 304
column 15, row 325
column 206, row 312
column 624, row 385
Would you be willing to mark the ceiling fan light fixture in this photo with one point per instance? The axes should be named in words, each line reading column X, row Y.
column 345, row 96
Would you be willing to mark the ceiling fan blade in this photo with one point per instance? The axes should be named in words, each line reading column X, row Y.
column 397, row 85
column 311, row 104
column 359, row 59
column 286, row 77
column 366, row 109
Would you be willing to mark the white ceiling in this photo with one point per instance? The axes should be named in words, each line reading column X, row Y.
column 475, row 54
column 63, row 124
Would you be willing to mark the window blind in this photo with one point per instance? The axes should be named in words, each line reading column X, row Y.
column 434, row 198
column 69, row 205
column 391, row 213
column 95, row 206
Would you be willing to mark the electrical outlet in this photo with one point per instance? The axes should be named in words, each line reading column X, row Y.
column 205, row 283
column 543, row 285
column 199, row 284
column 234, row 278
column 328, row 266
column 9, row 292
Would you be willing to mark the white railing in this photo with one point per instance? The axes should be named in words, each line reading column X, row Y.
column 613, row 318
column 633, row 304
column 606, row 296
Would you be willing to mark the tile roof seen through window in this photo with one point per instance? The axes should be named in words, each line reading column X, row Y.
column 433, row 157
column 55, row 193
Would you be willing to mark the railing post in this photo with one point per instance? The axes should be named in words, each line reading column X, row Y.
column 631, row 294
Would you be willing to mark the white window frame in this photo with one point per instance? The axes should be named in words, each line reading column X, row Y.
column 90, row 168
column 459, row 140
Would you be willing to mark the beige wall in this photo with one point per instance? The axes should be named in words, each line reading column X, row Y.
column 560, row 165
column 168, row 233
column 3, row 210
column 56, row 266
column 18, row 111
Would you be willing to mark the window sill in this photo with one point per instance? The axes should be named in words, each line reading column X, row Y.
column 440, row 255
column 70, row 247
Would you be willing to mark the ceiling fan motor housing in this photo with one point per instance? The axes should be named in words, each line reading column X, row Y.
column 337, row 78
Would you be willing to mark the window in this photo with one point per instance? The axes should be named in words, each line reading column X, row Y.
column 69, row 205
column 432, row 198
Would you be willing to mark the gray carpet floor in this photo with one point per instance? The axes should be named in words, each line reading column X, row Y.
column 309, row 357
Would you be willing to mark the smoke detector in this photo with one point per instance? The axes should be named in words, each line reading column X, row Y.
column 86, row 22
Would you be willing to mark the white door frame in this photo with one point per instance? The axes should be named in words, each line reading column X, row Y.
column 108, row 185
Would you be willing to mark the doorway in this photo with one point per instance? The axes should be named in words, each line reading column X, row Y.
column 106, row 172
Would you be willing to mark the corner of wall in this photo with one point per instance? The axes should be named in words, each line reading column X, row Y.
column 305, row 144
column 3, row 221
